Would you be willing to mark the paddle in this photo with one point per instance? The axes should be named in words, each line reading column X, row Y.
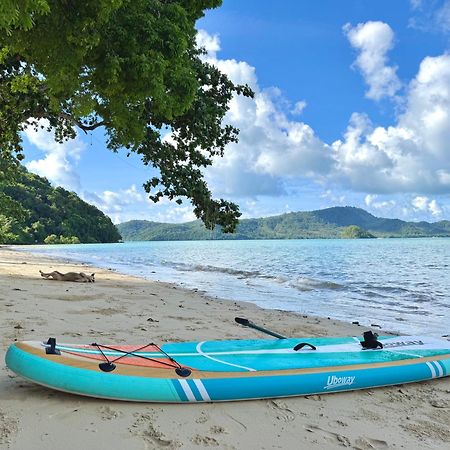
column 248, row 323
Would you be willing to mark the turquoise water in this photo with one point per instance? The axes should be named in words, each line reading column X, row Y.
column 400, row 284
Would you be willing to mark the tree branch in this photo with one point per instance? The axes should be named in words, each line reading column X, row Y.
column 80, row 125
column 72, row 119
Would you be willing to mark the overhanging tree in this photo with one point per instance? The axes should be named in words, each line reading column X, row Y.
column 130, row 66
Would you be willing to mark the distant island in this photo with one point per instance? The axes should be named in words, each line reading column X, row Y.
column 336, row 222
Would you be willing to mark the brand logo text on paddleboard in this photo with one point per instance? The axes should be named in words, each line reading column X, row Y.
column 402, row 344
column 334, row 382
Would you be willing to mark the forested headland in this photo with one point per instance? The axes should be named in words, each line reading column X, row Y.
column 38, row 213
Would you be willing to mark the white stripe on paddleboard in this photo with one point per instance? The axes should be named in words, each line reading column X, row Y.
column 442, row 366
column 200, row 352
column 432, row 369
column 439, row 369
column 187, row 390
column 202, row 390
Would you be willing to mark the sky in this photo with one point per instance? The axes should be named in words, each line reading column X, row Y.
column 351, row 107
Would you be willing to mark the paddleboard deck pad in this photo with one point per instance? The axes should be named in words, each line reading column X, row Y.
column 212, row 371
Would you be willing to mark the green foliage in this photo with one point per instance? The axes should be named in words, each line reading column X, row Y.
column 50, row 215
column 8, row 206
column 53, row 239
column 130, row 66
column 12, row 231
column 355, row 232
column 19, row 14
column 338, row 222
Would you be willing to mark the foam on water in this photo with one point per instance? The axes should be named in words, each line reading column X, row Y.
column 400, row 284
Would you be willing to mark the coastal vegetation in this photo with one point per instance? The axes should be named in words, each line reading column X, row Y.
column 336, row 222
column 132, row 68
column 40, row 213
column 355, row 232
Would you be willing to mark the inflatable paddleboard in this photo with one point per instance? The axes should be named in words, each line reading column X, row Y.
column 212, row 371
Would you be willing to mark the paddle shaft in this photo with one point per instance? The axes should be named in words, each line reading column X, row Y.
column 248, row 323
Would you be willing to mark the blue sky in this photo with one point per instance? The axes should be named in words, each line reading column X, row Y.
column 352, row 107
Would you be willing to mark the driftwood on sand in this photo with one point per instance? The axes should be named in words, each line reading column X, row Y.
column 79, row 277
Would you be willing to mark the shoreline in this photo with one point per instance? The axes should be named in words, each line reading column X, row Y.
column 87, row 266
column 369, row 325
column 121, row 308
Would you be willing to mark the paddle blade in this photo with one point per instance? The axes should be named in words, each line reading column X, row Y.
column 242, row 321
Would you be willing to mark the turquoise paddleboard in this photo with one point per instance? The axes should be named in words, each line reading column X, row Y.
column 210, row 371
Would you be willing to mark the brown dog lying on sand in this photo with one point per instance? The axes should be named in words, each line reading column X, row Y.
column 80, row 277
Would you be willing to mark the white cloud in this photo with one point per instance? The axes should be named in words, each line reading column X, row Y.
column 428, row 109
column 407, row 207
column 177, row 214
column 119, row 204
column 412, row 155
column 373, row 40
column 415, row 4
column 131, row 204
column 379, row 206
column 333, row 198
column 430, row 15
column 434, row 208
column 369, row 199
column 209, row 42
column 426, row 205
column 271, row 146
column 420, row 203
column 443, row 16
column 299, row 107
column 58, row 161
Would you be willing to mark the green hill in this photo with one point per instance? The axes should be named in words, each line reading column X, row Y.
column 51, row 215
column 324, row 223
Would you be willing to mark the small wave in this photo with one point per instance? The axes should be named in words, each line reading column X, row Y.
column 311, row 284
column 422, row 298
column 371, row 294
column 301, row 283
column 214, row 269
column 228, row 270
column 387, row 291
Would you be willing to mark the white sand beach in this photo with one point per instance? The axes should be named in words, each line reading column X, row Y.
column 123, row 309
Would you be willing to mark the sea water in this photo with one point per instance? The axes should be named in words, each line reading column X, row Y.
column 402, row 285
